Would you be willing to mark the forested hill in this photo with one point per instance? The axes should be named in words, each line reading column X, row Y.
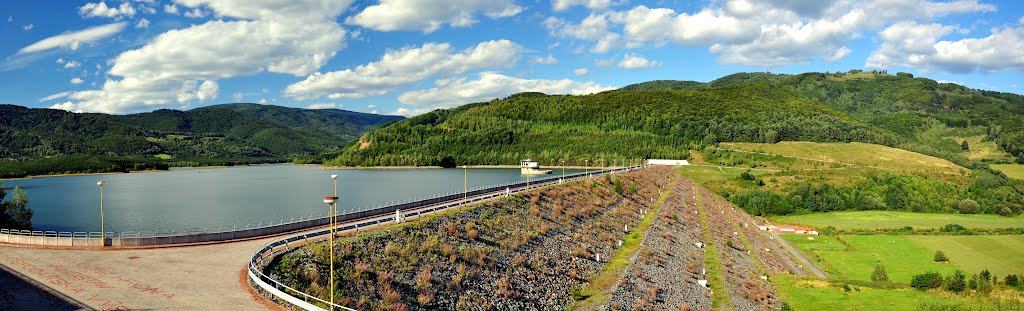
column 613, row 125
column 930, row 117
column 338, row 124
column 47, row 141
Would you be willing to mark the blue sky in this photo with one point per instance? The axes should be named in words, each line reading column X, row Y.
column 410, row 56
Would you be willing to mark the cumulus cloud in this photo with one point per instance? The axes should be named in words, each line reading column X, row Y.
column 171, row 9
column 595, row 27
column 489, row 86
column 102, row 10
column 405, row 67
column 918, row 46
column 72, row 40
column 763, row 33
column 181, row 67
column 633, row 61
column 76, row 80
column 69, row 64
column 562, row 5
column 28, row 27
column 324, row 106
column 429, row 15
column 549, row 60
column 55, row 96
column 142, row 23
column 581, row 71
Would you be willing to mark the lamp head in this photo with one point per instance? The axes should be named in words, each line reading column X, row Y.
column 334, row 176
column 100, row 183
column 330, row 200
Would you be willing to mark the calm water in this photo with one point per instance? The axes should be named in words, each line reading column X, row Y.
column 196, row 197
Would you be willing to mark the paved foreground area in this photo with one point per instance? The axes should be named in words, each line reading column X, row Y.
column 208, row 277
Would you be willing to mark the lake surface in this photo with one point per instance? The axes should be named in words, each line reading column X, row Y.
column 186, row 198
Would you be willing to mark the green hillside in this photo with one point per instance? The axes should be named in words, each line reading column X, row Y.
column 613, row 125
column 337, row 124
column 930, row 117
column 47, row 141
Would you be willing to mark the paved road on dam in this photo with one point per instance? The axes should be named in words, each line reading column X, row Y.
column 205, row 277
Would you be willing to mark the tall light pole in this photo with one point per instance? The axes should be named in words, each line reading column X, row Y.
column 334, row 209
column 103, row 226
column 331, row 202
column 587, row 163
column 563, row 170
column 465, row 182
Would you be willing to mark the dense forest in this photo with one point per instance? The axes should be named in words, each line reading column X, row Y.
column 915, row 109
column 48, row 141
column 614, row 125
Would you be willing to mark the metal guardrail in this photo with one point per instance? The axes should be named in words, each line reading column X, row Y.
column 318, row 219
column 308, row 302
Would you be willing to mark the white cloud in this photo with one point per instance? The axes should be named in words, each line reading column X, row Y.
column 562, row 5
column 171, row 9
column 549, row 60
column 68, row 106
column 195, row 13
column 180, row 67
column 429, row 15
column 594, row 27
column 324, row 106
column 142, row 23
column 633, row 61
column 404, row 67
column 918, row 46
column 73, row 40
column 69, row 64
column 762, row 33
column 55, row 96
column 102, row 10
column 371, row 106
column 581, row 71
column 76, row 80
column 1021, row 20
column 28, row 27
column 489, row 86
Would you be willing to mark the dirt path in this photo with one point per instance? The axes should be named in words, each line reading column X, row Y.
column 800, row 256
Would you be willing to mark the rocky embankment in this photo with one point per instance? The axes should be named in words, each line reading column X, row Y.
column 665, row 272
column 522, row 253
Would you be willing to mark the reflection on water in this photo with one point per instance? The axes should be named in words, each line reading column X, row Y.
column 209, row 197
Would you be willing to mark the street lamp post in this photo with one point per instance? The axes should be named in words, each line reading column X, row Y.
column 103, row 226
column 587, row 163
column 465, row 182
column 331, row 202
column 563, row 171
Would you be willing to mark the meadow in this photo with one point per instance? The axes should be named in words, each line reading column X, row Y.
column 855, row 154
column 1000, row 254
column 901, row 256
column 804, row 294
column 893, row 219
column 1015, row 171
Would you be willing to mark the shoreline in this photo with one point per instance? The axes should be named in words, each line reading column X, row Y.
column 323, row 167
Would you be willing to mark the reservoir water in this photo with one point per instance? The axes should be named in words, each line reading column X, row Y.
column 186, row 198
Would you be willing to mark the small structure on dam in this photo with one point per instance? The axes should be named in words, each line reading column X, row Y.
column 528, row 167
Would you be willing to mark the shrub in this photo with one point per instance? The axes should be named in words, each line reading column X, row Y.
column 880, row 275
column 955, row 282
column 940, row 257
column 927, row 280
column 953, row 228
column 579, row 294
column 1012, row 280
column 984, row 286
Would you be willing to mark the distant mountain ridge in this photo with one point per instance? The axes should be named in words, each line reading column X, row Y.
column 215, row 135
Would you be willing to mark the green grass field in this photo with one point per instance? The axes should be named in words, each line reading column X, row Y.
column 1000, row 254
column 813, row 295
column 861, row 154
column 979, row 149
column 889, row 219
column 901, row 256
column 1015, row 171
